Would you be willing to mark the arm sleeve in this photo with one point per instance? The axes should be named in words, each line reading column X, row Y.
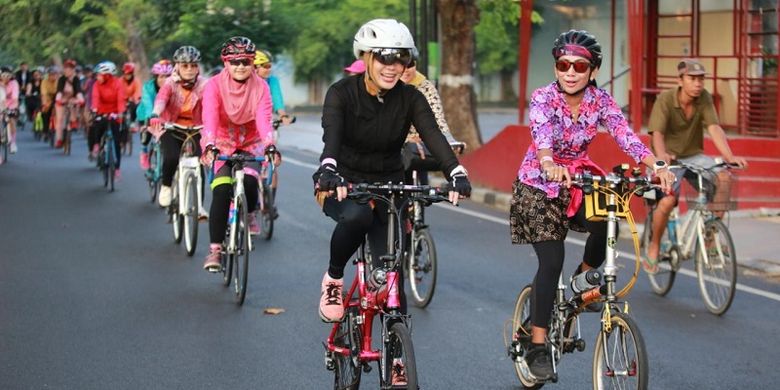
column 613, row 120
column 332, row 124
column 432, row 96
column 144, row 109
column 263, row 117
column 539, row 114
column 425, row 123
column 276, row 94
column 95, row 96
column 161, row 100
column 210, row 115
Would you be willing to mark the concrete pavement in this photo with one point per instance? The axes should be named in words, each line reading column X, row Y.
column 755, row 232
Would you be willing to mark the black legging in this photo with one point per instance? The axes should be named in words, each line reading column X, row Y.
column 353, row 222
column 220, row 203
column 171, row 143
column 98, row 129
column 550, row 255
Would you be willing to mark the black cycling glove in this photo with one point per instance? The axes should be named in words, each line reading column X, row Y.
column 460, row 183
column 329, row 178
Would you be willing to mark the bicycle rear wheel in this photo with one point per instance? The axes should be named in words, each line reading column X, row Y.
column 241, row 266
column 668, row 259
column 422, row 267
column 266, row 213
column 620, row 356
column 190, row 213
column 4, row 144
column 717, row 267
column 66, row 142
column 521, row 339
column 348, row 368
column 398, row 355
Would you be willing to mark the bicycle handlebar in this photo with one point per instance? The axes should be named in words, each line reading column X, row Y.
column 699, row 169
column 423, row 192
column 176, row 126
column 278, row 122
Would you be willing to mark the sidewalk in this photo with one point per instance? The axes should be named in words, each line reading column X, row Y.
column 756, row 233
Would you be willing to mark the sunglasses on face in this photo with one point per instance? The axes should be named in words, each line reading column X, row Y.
column 241, row 61
column 188, row 65
column 579, row 66
column 392, row 56
column 267, row 65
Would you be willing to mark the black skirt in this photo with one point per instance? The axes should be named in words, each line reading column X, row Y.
column 533, row 217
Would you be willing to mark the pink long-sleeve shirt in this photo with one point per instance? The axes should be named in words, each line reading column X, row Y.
column 171, row 98
column 251, row 137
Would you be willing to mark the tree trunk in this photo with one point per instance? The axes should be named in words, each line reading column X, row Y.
column 136, row 52
column 457, row 72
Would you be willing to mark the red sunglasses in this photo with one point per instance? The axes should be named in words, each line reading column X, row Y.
column 579, row 66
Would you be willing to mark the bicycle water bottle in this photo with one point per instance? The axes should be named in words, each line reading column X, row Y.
column 586, row 281
column 231, row 213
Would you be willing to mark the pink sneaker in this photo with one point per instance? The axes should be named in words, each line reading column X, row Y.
column 331, row 303
column 144, row 160
column 117, row 175
column 213, row 263
column 398, row 377
column 254, row 228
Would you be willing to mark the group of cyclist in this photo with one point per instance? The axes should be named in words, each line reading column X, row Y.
column 369, row 116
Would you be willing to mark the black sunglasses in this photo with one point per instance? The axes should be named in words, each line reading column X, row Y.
column 242, row 61
column 391, row 56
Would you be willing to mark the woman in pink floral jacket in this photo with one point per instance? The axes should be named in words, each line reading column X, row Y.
column 565, row 116
column 236, row 119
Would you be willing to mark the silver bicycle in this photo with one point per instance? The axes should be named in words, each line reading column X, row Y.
column 187, row 192
column 699, row 234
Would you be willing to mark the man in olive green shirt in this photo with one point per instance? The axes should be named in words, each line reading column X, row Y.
column 677, row 124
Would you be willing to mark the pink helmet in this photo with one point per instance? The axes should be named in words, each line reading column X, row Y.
column 162, row 67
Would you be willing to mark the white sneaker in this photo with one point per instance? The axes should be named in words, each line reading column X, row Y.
column 13, row 147
column 203, row 215
column 165, row 196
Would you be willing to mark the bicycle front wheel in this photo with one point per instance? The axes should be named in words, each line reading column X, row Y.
column 347, row 368
column 151, row 174
column 716, row 267
column 241, row 266
column 620, row 356
column 398, row 357
column 190, row 213
column 66, row 142
column 422, row 267
column 111, row 166
column 177, row 219
column 668, row 259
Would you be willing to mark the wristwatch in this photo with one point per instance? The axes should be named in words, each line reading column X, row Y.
column 658, row 165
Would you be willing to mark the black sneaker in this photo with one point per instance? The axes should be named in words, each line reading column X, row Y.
column 539, row 363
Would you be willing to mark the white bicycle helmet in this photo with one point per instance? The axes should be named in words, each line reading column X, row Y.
column 383, row 34
column 105, row 67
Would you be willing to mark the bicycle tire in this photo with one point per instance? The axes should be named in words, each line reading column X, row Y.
column 399, row 346
column 521, row 325
column 151, row 174
column 102, row 163
column 635, row 366
column 726, row 259
column 227, row 267
column 177, row 219
column 668, row 262
column 66, row 142
column 190, row 214
column 266, row 214
column 422, row 267
column 241, row 266
column 129, row 142
column 4, row 142
column 347, row 369
column 111, row 167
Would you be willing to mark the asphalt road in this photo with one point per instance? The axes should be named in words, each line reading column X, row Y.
column 94, row 294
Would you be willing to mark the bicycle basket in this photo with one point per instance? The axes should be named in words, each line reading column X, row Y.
column 717, row 193
column 596, row 204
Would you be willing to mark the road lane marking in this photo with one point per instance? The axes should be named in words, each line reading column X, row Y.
column 575, row 241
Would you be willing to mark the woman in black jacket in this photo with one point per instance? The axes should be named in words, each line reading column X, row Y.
column 366, row 118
